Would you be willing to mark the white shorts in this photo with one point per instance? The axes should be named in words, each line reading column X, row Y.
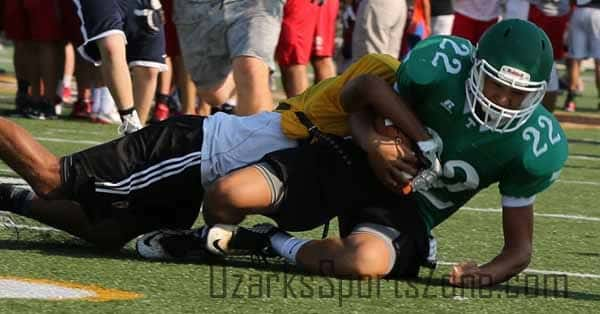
column 231, row 142
column 442, row 24
column 584, row 33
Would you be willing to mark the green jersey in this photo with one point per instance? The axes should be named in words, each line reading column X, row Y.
column 524, row 162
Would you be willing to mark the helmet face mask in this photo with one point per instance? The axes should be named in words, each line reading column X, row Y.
column 514, row 54
column 495, row 116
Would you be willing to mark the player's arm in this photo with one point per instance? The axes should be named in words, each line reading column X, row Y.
column 390, row 160
column 370, row 91
column 517, row 224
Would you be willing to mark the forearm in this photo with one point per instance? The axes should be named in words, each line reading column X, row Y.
column 506, row 265
column 362, row 129
column 369, row 91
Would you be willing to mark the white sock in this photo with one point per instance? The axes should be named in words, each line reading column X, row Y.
column 287, row 246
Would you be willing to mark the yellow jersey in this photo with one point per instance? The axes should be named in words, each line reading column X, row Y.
column 321, row 102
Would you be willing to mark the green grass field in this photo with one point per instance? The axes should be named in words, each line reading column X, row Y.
column 567, row 233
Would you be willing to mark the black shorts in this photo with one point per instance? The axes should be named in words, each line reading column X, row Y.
column 321, row 183
column 152, row 175
column 100, row 18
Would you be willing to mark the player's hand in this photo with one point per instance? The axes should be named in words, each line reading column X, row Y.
column 430, row 151
column 348, row 16
column 393, row 162
column 468, row 274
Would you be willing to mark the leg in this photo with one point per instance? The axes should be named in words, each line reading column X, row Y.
column 294, row 79
column 115, row 70
column 597, row 76
column 324, row 68
column 232, row 197
column 144, row 87
column 251, row 77
column 187, row 89
column 219, row 94
column 362, row 255
column 573, row 76
column 32, row 161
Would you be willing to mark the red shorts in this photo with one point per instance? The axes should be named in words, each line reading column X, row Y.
column 554, row 26
column 33, row 20
column 324, row 41
column 300, row 18
column 469, row 28
column 171, row 39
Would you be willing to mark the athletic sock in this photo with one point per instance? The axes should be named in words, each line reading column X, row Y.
column 16, row 199
column 22, row 87
column 126, row 112
column 162, row 98
column 287, row 246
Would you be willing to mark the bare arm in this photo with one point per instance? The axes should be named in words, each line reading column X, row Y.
column 392, row 162
column 370, row 91
column 517, row 223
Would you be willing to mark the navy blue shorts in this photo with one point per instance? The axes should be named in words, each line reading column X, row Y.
column 100, row 18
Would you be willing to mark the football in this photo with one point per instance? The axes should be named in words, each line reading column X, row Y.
column 384, row 126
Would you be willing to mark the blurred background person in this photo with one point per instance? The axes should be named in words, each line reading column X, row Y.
column 379, row 27
column 442, row 17
column 229, row 47
column 584, row 42
column 307, row 36
column 552, row 17
column 473, row 17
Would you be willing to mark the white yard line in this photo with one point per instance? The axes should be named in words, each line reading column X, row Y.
column 543, row 272
column 581, row 157
column 62, row 140
column 562, row 216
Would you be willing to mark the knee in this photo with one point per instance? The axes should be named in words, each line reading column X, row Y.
column 369, row 262
column 111, row 46
column 221, row 202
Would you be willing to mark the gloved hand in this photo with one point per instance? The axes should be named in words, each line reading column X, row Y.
column 431, row 151
column 150, row 15
column 348, row 16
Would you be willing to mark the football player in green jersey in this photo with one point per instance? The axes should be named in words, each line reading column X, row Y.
column 481, row 107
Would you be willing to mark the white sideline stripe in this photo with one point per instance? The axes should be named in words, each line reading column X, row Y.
column 28, row 227
column 579, row 182
column 62, row 140
column 563, row 216
column 542, row 272
column 583, row 157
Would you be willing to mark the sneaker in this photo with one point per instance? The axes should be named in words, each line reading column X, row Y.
column 170, row 244
column 35, row 111
column 82, row 109
column 570, row 106
column 130, row 123
column 106, row 118
column 161, row 112
column 22, row 104
column 218, row 241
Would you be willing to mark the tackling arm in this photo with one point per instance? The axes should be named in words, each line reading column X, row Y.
column 517, row 224
column 370, row 91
